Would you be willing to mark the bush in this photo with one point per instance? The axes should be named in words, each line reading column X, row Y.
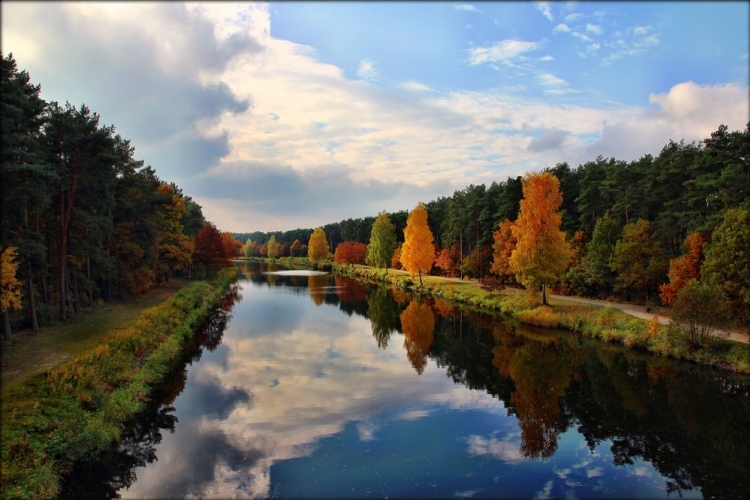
column 701, row 309
column 542, row 316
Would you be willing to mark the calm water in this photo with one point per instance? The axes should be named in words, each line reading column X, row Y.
column 321, row 387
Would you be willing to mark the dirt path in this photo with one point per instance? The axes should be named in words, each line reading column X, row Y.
column 30, row 353
column 639, row 312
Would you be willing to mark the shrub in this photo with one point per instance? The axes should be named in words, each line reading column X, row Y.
column 700, row 309
column 542, row 316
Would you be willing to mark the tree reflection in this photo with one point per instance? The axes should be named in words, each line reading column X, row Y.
column 418, row 325
column 317, row 284
column 541, row 374
column 115, row 468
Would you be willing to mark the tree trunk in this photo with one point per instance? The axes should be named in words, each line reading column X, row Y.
column 88, row 275
column 7, row 335
column 74, row 284
column 45, row 295
column 32, row 303
column 63, row 248
column 420, row 277
column 544, row 294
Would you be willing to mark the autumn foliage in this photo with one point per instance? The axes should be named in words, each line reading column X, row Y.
column 10, row 286
column 350, row 252
column 317, row 248
column 505, row 243
column 685, row 268
column 417, row 252
column 212, row 248
column 541, row 254
column 418, row 325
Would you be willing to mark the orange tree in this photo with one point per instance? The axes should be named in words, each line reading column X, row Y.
column 418, row 252
column 503, row 248
column 350, row 252
column 685, row 268
column 542, row 254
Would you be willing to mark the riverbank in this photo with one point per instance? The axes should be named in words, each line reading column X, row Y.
column 605, row 323
column 77, row 409
column 30, row 353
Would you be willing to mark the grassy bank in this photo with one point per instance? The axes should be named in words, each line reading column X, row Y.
column 605, row 323
column 77, row 409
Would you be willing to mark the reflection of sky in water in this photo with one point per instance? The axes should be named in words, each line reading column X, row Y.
column 299, row 401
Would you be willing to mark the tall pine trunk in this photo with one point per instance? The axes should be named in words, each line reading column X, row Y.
column 32, row 302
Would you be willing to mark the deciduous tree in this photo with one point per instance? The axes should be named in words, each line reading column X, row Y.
column 350, row 252
column 231, row 246
column 702, row 310
column 638, row 258
column 10, row 287
column 685, row 268
column 317, row 247
column 505, row 243
column 382, row 241
column 273, row 248
column 247, row 248
column 417, row 252
column 209, row 248
column 727, row 263
column 296, row 249
column 542, row 254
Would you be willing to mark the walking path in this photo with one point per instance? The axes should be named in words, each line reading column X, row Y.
column 640, row 312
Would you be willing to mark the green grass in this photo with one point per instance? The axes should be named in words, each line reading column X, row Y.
column 31, row 353
column 75, row 410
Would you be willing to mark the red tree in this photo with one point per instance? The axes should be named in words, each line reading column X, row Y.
column 447, row 260
column 209, row 248
column 350, row 252
column 685, row 268
column 231, row 246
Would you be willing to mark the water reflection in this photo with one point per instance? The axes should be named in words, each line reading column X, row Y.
column 299, row 400
column 116, row 468
column 418, row 325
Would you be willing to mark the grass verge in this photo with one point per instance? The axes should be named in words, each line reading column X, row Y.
column 77, row 409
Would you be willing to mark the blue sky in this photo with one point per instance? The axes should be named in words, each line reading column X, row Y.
column 284, row 115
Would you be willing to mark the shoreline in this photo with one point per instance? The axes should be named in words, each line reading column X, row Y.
column 72, row 412
column 604, row 322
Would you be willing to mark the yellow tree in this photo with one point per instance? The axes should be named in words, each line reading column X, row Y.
column 317, row 247
column 10, row 286
column 273, row 248
column 418, row 252
column 542, row 254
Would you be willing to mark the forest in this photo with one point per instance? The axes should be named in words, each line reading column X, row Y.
column 82, row 221
column 636, row 230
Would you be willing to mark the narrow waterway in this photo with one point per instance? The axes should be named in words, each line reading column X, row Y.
column 321, row 387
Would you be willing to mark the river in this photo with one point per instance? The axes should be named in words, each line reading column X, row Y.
column 323, row 387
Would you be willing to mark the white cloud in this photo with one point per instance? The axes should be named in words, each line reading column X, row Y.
column 466, row 7
column 561, row 28
column 546, row 58
column 415, row 86
column 507, row 450
column 573, row 17
column 366, row 70
column 688, row 111
column 501, row 51
column 593, row 28
column 545, row 9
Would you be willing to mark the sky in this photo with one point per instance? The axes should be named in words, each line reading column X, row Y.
column 277, row 116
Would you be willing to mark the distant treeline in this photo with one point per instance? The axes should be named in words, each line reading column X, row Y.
column 82, row 220
column 686, row 188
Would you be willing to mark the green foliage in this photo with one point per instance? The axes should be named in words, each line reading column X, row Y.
column 639, row 259
column 382, row 241
column 700, row 309
column 727, row 264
